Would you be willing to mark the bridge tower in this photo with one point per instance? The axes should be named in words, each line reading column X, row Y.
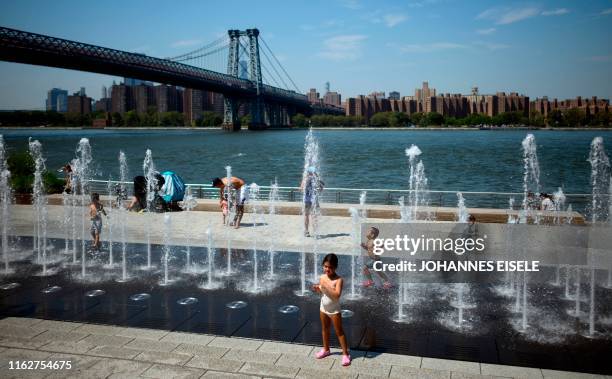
column 230, row 119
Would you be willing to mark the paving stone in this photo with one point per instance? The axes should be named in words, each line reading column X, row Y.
column 362, row 367
column 336, row 354
column 150, row 334
column 190, row 338
column 114, row 352
column 511, row 371
column 393, row 359
column 24, row 322
column 236, row 343
column 98, row 329
column 569, row 375
column 451, row 365
column 51, row 335
column 22, row 355
column 251, row 356
column 68, row 347
column 205, row 351
column 101, row 340
column 172, row 372
column 24, row 374
column 152, row 345
column 163, row 357
column 226, row 375
column 78, row 374
column 77, row 362
column 20, row 343
column 8, row 330
column 309, row 373
column 120, row 366
column 214, row 364
column 405, row 372
column 292, row 360
column 279, row 347
column 269, row 370
column 61, row 326
column 464, row 375
column 367, row 376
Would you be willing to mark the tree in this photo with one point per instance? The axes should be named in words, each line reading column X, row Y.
column 416, row 118
column 210, row 119
column 574, row 117
column 132, row 119
column 299, row 120
column 380, row 119
column 117, row 119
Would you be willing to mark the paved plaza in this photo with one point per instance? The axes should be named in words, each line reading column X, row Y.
column 101, row 351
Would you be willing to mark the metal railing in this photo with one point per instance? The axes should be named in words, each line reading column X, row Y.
column 498, row 200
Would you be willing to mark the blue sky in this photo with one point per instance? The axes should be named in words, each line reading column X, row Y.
column 555, row 48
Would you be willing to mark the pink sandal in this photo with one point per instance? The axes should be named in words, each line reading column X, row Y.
column 322, row 354
column 346, row 360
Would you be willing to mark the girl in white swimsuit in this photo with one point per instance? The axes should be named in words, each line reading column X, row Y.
column 330, row 288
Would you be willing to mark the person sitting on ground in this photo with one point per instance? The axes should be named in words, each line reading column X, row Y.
column 95, row 208
column 369, row 260
column 138, row 203
column 547, row 203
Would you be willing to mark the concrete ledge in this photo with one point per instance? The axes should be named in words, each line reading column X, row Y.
column 486, row 215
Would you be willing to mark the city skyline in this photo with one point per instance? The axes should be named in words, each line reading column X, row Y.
column 382, row 46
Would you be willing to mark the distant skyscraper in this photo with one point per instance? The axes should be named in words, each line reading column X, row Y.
column 380, row 95
column 332, row 98
column 131, row 82
column 57, row 100
column 394, row 95
column 244, row 70
column 313, row 95
column 82, row 92
column 104, row 92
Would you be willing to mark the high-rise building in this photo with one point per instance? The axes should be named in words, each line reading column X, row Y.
column 79, row 103
column 144, row 98
column 313, row 96
column 332, row 98
column 57, row 100
column 423, row 93
column 377, row 94
column 394, row 95
column 193, row 104
column 122, row 98
column 167, row 99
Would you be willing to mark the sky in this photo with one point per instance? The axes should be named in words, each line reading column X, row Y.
column 543, row 48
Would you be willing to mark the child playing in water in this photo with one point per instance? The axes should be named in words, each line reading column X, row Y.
column 224, row 208
column 330, row 286
column 368, row 261
column 95, row 208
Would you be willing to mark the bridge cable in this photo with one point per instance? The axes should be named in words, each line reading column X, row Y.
column 203, row 48
column 274, row 68
column 281, row 66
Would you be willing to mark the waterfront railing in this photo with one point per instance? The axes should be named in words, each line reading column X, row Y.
column 580, row 202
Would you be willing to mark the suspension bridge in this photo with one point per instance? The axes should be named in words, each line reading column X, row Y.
column 230, row 65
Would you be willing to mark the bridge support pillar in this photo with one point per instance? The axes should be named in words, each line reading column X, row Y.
column 230, row 117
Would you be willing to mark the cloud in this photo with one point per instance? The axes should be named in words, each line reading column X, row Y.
column 486, row 31
column 185, row 43
column 556, row 12
column 343, row 47
column 491, row 45
column 600, row 58
column 351, row 4
column 427, row 48
column 392, row 20
column 504, row 16
column 606, row 12
column 422, row 3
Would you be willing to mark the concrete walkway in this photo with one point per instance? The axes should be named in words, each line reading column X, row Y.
column 100, row 351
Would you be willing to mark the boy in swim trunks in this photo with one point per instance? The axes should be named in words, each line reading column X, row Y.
column 369, row 260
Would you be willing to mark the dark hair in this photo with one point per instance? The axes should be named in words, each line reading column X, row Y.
column 68, row 168
column 332, row 259
column 216, row 182
column 95, row 196
column 376, row 231
column 472, row 218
